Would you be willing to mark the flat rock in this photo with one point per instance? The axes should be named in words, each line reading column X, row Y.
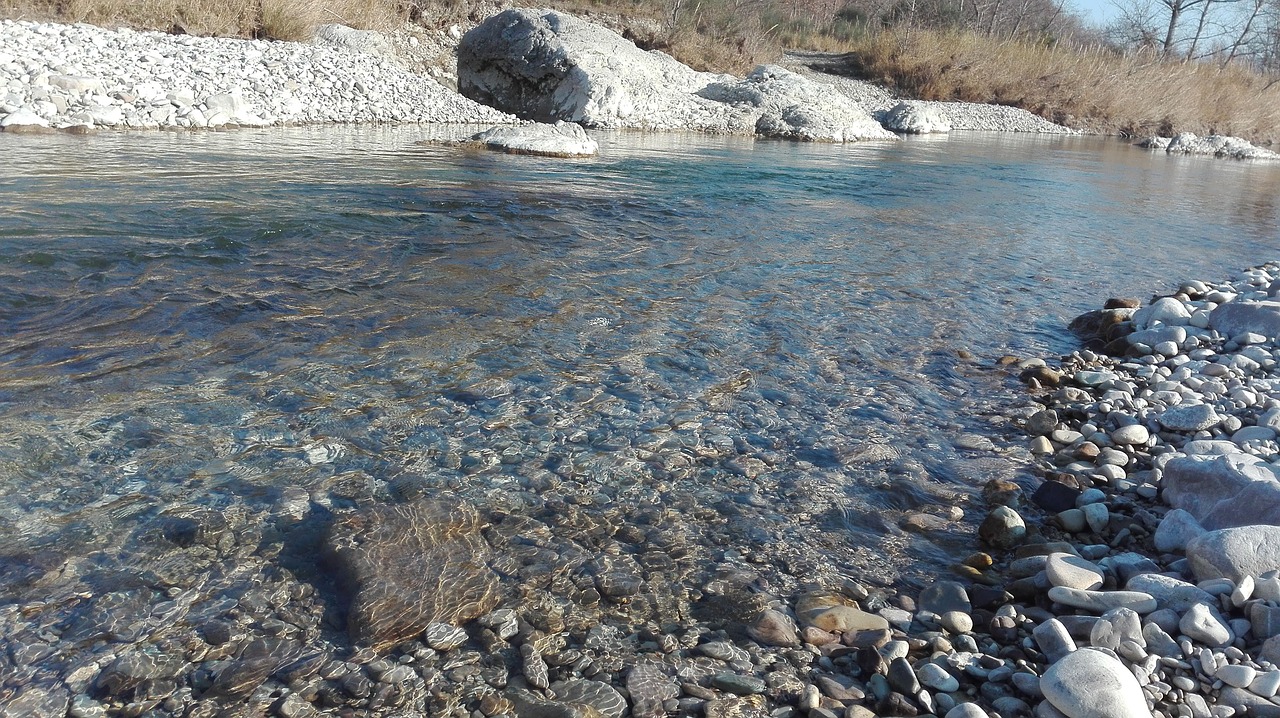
column 1091, row 684
column 1072, row 571
column 1190, row 417
column 1234, row 553
column 1169, row 592
column 410, row 565
column 943, row 596
column 562, row 139
column 1102, row 601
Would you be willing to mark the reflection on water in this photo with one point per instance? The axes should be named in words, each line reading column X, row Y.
column 755, row 342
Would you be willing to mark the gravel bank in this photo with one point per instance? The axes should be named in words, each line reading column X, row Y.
column 64, row 76
column 962, row 115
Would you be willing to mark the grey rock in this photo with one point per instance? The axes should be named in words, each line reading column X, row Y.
column 1073, row 572
column 1234, row 553
column 1190, row 417
column 738, row 684
column 1102, row 601
column 1002, row 528
column 1176, row 529
column 943, row 596
column 1224, row 491
column 1238, row 317
column 1053, row 639
column 1091, row 684
column 1201, row 625
column 1170, row 592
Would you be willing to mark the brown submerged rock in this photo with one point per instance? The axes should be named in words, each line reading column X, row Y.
column 409, row 565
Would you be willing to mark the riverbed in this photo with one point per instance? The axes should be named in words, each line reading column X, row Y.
column 766, row 356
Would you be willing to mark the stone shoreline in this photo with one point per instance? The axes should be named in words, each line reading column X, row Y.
column 79, row 77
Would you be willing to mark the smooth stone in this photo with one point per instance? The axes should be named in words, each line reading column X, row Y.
column 1176, row 530
column 957, row 622
column 1165, row 310
column 1134, row 435
column 1072, row 520
column 1243, row 317
column 1055, row 496
column 943, row 596
column 1042, row 422
column 1097, row 516
column 847, row 619
column 1234, row 553
column 902, row 678
column 774, row 628
column 1053, row 639
column 1236, row 675
column 1266, row 683
column 934, row 676
column 1002, row 528
column 1073, row 572
column 1160, row 642
column 1102, row 601
column 966, row 710
column 1169, row 592
column 1091, row 684
column 1199, row 624
column 739, row 684
column 1264, row 619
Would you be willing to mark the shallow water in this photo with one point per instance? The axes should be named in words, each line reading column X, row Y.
column 755, row 340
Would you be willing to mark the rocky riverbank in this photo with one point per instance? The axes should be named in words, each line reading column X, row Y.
column 540, row 65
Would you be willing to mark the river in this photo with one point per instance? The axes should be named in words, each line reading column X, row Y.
column 771, row 354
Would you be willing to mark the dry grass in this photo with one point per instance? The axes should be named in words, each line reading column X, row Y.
column 1096, row 89
column 278, row 19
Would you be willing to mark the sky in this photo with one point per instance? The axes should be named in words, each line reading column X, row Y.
column 1099, row 12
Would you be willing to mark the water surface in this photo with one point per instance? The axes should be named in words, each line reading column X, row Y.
column 756, row 345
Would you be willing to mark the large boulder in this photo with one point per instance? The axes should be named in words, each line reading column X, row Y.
column 1223, row 491
column 791, row 106
column 545, row 65
column 916, row 118
column 1235, row 318
column 1235, row 552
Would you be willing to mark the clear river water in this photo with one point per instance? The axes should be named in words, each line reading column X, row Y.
column 768, row 353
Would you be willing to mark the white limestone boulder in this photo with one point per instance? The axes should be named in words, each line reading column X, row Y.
column 546, row 66
column 916, row 118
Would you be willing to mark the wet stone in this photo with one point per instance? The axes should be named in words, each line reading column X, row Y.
column 600, row 696
column 411, row 565
column 649, row 688
column 738, row 684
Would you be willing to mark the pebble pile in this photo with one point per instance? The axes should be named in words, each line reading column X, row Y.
column 1188, row 143
column 80, row 76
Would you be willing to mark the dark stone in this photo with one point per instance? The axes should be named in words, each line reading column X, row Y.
column 258, row 659
column 649, row 688
column 1122, row 303
column 1054, row 497
column 409, row 565
column 896, row 704
column 988, row 597
column 902, row 678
